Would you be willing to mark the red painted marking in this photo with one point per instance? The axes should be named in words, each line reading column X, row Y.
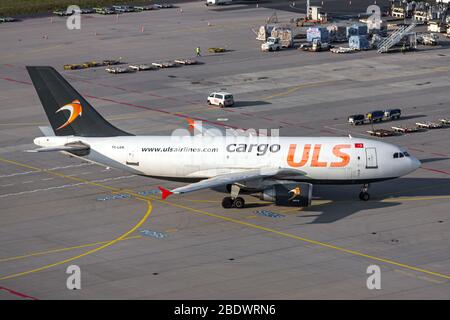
column 17, row 81
column 414, row 149
column 306, row 127
column 359, row 145
column 439, row 154
column 437, row 171
column 165, row 193
column 18, row 294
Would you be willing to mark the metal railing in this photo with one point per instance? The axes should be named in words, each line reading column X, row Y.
column 394, row 38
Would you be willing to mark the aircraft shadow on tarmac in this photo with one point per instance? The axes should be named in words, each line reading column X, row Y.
column 345, row 202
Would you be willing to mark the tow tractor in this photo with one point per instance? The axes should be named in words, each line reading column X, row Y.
column 272, row 44
column 428, row 39
column 316, row 46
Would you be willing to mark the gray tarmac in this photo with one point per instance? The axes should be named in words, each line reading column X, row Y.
column 57, row 210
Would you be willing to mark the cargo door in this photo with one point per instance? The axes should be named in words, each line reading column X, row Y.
column 371, row 158
column 358, row 163
column 132, row 157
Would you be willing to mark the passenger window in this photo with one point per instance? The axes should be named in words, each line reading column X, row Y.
column 406, row 154
column 401, row 155
column 396, row 155
column 219, row 96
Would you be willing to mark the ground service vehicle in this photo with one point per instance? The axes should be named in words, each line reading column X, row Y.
column 272, row 44
column 375, row 116
column 392, row 114
column 218, row 2
column 356, row 119
column 221, row 99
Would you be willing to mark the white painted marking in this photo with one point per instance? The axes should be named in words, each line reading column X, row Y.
column 51, row 169
column 63, row 186
column 17, row 174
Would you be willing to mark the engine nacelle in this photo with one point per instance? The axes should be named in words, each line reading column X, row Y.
column 290, row 194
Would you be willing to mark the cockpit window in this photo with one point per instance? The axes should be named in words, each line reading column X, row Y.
column 401, row 155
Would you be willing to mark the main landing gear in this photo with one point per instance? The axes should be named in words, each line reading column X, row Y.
column 364, row 194
column 233, row 201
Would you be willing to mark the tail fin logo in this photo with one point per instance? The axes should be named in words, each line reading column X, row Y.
column 75, row 110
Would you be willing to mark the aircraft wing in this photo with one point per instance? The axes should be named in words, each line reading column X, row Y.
column 232, row 178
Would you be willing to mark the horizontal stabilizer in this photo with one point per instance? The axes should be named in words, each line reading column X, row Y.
column 68, row 147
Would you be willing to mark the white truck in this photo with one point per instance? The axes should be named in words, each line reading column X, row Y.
column 272, row 44
column 218, row 2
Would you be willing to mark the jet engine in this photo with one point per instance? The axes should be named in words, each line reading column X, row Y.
column 289, row 194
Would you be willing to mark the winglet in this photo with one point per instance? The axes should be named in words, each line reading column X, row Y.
column 164, row 192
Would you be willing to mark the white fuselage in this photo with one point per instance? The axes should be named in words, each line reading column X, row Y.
column 317, row 159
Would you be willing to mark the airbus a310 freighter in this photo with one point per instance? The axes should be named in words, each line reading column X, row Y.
column 281, row 170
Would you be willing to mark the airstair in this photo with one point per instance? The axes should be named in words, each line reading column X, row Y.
column 394, row 38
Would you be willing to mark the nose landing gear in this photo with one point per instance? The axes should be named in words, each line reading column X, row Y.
column 234, row 201
column 364, row 194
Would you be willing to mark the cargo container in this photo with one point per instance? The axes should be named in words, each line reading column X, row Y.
column 357, row 30
column 320, row 33
column 285, row 36
column 338, row 33
column 359, row 42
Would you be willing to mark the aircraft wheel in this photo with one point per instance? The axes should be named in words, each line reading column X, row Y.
column 364, row 196
column 227, row 202
column 239, row 203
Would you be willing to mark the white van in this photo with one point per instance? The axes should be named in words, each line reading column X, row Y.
column 217, row 2
column 221, row 99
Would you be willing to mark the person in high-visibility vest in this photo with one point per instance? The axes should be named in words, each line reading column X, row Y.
column 197, row 51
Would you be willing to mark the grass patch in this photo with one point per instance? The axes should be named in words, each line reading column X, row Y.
column 25, row 7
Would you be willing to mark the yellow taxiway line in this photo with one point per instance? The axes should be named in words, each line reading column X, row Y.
column 42, row 253
column 210, row 214
column 103, row 246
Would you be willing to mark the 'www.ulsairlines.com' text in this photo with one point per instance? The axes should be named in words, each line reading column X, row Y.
column 180, row 149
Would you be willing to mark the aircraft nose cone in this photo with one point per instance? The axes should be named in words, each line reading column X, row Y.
column 415, row 163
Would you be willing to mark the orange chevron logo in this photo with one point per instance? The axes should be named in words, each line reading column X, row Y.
column 295, row 193
column 75, row 110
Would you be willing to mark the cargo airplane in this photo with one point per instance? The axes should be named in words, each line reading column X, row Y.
column 281, row 170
